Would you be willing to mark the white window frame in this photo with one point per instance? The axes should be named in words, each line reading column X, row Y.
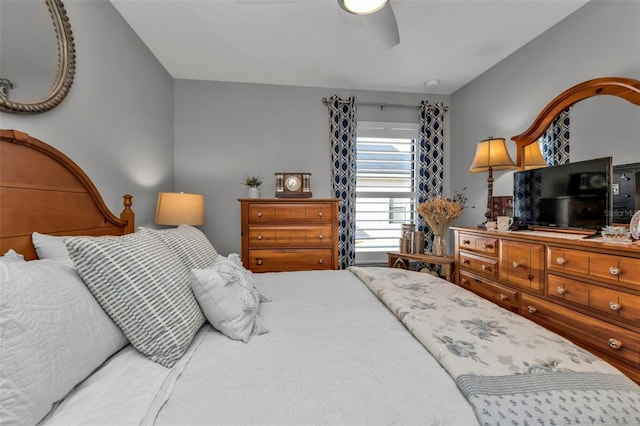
column 392, row 131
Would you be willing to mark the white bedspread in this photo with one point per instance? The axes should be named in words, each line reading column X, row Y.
column 334, row 356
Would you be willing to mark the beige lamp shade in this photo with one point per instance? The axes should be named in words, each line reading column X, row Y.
column 533, row 158
column 178, row 208
column 491, row 153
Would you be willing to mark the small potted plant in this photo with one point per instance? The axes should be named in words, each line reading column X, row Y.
column 253, row 182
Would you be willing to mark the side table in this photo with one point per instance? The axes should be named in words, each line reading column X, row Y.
column 401, row 260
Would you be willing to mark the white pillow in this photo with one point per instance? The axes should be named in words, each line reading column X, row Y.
column 12, row 256
column 144, row 287
column 49, row 246
column 54, row 334
column 234, row 264
column 229, row 306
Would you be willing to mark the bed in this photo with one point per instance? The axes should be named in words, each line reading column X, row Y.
column 102, row 325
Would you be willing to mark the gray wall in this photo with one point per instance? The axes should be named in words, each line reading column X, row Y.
column 117, row 120
column 225, row 131
column 598, row 40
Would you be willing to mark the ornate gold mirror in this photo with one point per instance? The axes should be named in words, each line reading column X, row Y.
column 624, row 88
column 34, row 78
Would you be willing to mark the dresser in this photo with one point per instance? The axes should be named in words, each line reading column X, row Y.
column 289, row 235
column 586, row 290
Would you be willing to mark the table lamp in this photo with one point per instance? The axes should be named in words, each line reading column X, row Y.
column 178, row 208
column 491, row 154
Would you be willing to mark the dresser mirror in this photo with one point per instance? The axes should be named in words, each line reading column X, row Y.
column 600, row 126
column 38, row 62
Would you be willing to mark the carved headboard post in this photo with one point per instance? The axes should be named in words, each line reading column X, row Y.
column 127, row 214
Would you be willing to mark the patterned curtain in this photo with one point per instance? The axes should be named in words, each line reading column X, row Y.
column 342, row 130
column 430, row 160
column 555, row 142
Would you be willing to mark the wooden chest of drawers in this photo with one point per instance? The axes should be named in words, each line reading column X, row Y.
column 585, row 290
column 289, row 235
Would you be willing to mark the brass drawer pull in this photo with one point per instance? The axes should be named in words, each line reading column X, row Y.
column 560, row 290
column 259, row 236
column 615, row 306
column 561, row 260
column 614, row 271
column 320, row 261
column 259, row 214
column 320, row 214
column 503, row 297
column 615, row 343
column 466, row 242
column 487, row 245
column 259, row 262
column 531, row 309
column 320, row 236
column 515, row 265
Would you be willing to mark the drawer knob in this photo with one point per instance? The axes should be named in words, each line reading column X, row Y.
column 259, row 262
column 465, row 261
column 560, row 290
column 615, row 343
column 486, row 268
column 561, row 260
column 487, row 245
column 320, row 236
column 531, row 309
column 615, row 306
column 259, row 236
column 466, row 242
column 259, row 214
column 320, row 261
column 614, row 271
column 503, row 297
column 320, row 213
column 516, row 264
column 463, row 281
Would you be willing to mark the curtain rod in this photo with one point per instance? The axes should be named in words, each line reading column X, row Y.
column 383, row 105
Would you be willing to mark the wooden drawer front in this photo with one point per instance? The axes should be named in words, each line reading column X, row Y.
column 480, row 265
column 622, row 269
column 289, row 213
column 320, row 212
column 289, row 260
column 501, row 295
column 522, row 264
column 567, row 260
column 617, row 342
column 567, row 289
column 616, row 303
column 478, row 243
column 292, row 236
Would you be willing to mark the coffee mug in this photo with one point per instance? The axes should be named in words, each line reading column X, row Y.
column 504, row 222
column 491, row 225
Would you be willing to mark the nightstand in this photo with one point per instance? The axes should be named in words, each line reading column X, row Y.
column 401, row 260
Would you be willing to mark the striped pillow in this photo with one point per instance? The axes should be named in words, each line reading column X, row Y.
column 144, row 287
column 189, row 243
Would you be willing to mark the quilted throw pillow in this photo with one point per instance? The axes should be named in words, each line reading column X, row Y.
column 144, row 287
column 53, row 335
column 230, row 307
column 189, row 243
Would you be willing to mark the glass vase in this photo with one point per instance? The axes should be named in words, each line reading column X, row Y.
column 439, row 245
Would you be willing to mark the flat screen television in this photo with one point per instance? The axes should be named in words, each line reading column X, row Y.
column 567, row 196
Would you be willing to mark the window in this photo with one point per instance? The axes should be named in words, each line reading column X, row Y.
column 385, row 187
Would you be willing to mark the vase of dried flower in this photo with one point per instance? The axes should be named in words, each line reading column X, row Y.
column 439, row 245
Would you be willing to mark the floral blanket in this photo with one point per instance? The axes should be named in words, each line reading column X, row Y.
column 511, row 370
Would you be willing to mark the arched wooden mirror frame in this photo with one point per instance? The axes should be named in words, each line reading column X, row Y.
column 65, row 69
column 625, row 88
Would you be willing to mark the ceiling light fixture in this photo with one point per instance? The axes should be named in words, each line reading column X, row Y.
column 362, row 7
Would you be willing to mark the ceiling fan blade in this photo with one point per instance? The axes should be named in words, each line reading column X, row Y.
column 384, row 24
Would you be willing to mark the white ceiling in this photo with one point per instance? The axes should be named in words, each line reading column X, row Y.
column 314, row 43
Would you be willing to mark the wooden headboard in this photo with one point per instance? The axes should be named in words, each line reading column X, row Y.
column 43, row 190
